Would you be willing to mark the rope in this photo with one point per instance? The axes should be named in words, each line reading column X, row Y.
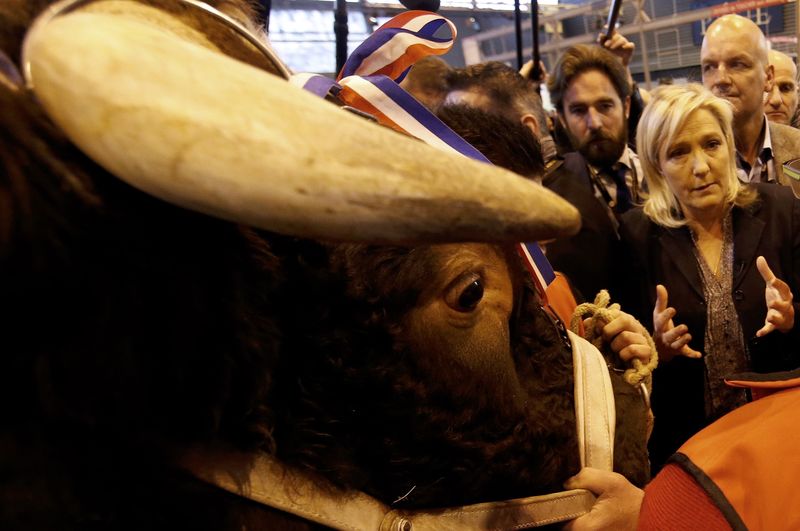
column 600, row 311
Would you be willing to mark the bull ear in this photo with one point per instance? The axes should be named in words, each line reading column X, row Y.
column 194, row 127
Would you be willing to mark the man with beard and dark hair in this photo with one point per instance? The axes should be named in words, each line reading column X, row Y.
column 591, row 91
column 592, row 95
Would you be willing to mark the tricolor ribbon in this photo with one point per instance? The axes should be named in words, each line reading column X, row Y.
column 368, row 82
column 395, row 108
column 394, row 47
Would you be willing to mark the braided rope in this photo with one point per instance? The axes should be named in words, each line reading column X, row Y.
column 600, row 311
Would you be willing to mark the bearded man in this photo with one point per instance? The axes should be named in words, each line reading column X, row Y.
column 590, row 89
column 601, row 177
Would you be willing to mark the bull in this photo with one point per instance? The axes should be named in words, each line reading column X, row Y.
column 173, row 289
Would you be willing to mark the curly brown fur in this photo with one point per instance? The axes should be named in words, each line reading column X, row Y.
column 131, row 328
column 631, row 458
column 360, row 410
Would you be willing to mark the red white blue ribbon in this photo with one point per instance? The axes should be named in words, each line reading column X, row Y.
column 368, row 82
column 394, row 47
column 538, row 265
column 394, row 107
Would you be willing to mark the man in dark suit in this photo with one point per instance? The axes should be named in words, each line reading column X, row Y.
column 591, row 90
column 736, row 67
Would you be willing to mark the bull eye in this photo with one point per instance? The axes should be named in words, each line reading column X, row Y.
column 470, row 296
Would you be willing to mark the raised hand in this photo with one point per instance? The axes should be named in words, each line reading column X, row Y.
column 670, row 340
column 780, row 311
column 619, row 46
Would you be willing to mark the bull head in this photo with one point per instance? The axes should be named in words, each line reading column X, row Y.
column 142, row 88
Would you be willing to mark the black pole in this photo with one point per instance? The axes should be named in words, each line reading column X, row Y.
column 611, row 24
column 340, row 30
column 536, row 73
column 266, row 11
column 518, row 28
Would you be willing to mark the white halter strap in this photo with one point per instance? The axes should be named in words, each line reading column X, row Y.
column 268, row 482
column 595, row 415
column 262, row 479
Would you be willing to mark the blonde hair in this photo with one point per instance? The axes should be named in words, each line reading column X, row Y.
column 662, row 120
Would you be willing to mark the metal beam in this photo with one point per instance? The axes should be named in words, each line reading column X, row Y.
column 561, row 14
column 637, row 27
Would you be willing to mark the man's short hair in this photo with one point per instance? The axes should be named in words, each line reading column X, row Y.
column 583, row 58
column 506, row 143
column 509, row 93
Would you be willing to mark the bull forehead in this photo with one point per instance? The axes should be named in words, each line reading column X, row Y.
column 486, row 263
column 460, row 328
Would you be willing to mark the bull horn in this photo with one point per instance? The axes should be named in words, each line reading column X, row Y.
column 194, row 127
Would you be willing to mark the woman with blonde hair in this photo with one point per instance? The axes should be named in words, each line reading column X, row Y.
column 721, row 252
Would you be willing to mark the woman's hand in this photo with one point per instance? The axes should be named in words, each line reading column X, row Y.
column 670, row 340
column 780, row 311
column 626, row 336
column 618, row 501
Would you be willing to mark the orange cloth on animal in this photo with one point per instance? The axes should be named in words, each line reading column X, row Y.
column 741, row 472
column 561, row 300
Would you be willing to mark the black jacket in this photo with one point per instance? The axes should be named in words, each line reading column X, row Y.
column 657, row 255
column 586, row 257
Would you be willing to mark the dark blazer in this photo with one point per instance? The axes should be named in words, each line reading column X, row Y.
column 586, row 257
column 657, row 255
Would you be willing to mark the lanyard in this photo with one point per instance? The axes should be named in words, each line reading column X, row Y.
column 601, row 193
